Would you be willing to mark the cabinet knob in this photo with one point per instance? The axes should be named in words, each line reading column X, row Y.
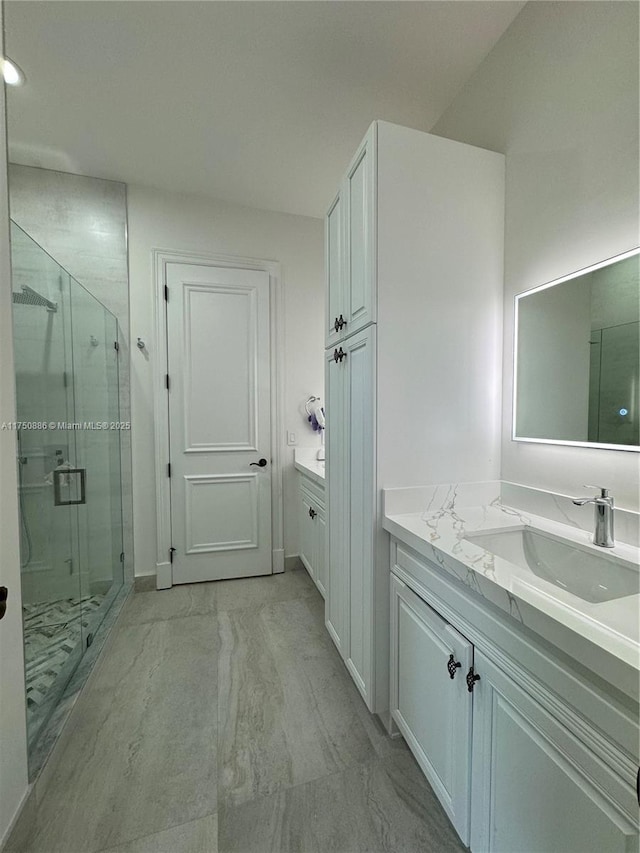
column 336, row 355
column 312, row 512
column 341, row 354
column 341, row 322
column 472, row 677
column 336, row 324
column 452, row 665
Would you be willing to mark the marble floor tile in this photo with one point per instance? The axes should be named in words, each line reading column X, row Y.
column 254, row 592
column 220, row 717
column 311, row 641
column 285, row 714
column 383, row 806
column 198, row 836
column 195, row 599
column 53, row 631
column 143, row 754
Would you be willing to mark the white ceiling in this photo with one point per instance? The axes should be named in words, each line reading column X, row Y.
column 258, row 103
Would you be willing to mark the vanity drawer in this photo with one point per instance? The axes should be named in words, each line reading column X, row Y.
column 315, row 492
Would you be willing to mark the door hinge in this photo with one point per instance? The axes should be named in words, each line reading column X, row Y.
column 122, row 556
column 171, row 553
column 166, row 381
column 166, row 293
column 168, row 469
column 116, row 346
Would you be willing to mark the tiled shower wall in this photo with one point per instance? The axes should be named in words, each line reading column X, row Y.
column 82, row 223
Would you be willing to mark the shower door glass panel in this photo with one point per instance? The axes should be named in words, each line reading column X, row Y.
column 69, row 470
column 51, row 590
column 96, row 395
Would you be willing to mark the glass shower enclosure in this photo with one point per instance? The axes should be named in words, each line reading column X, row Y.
column 69, row 465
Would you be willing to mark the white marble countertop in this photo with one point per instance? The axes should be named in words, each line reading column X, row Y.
column 439, row 536
column 310, row 467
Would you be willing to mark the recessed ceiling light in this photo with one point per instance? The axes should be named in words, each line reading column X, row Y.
column 13, row 76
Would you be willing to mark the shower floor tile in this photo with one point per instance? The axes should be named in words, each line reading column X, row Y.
column 52, row 631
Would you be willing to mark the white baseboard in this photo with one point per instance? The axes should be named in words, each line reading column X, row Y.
column 278, row 561
column 145, row 583
column 292, row 563
column 164, row 576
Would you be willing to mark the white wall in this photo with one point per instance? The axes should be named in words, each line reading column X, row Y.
column 559, row 96
column 160, row 220
column 13, row 732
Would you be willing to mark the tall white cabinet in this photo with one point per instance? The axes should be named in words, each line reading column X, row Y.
column 414, row 246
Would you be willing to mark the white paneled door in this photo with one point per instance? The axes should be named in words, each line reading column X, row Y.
column 220, row 422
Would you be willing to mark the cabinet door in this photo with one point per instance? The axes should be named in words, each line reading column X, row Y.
column 306, row 532
column 536, row 787
column 335, row 268
column 359, row 364
column 431, row 709
column 320, row 562
column 360, row 213
column 337, row 578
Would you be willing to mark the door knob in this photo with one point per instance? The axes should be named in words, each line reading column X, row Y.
column 261, row 463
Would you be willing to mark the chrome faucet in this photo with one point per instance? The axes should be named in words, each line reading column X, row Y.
column 603, row 506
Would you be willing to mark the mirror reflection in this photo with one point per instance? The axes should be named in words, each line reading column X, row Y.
column 578, row 358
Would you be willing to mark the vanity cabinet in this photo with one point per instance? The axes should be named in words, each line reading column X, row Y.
column 349, row 241
column 312, row 531
column 536, row 786
column 414, row 247
column 536, row 757
column 430, row 702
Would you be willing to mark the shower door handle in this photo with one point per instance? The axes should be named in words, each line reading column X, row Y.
column 58, row 474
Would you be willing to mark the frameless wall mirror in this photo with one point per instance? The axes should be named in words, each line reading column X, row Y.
column 577, row 358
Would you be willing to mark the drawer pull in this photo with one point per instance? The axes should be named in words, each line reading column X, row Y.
column 312, row 512
column 452, row 665
column 472, row 677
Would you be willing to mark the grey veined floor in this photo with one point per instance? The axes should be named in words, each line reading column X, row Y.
column 221, row 718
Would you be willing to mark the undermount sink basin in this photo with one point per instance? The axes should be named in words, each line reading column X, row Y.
column 591, row 576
